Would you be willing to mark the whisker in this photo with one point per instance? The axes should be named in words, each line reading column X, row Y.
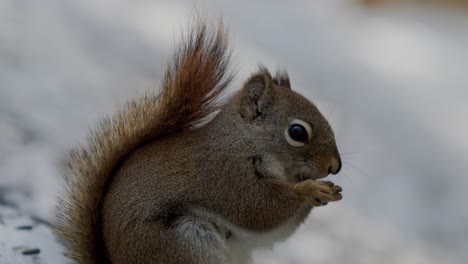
column 344, row 177
column 359, row 170
column 352, row 153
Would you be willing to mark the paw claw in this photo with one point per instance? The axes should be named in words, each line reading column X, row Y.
column 337, row 197
column 336, row 189
column 328, row 183
column 319, row 193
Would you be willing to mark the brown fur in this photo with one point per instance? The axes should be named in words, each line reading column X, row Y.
column 194, row 80
column 153, row 186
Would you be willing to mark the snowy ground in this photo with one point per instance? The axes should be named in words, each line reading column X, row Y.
column 392, row 82
column 26, row 240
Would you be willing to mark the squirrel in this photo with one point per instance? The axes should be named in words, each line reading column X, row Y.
column 184, row 176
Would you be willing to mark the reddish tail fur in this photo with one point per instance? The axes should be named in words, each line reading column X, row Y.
column 193, row 81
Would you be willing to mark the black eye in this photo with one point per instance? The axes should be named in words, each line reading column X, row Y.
column 298, row 133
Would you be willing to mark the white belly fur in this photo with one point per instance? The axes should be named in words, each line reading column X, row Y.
column 241, row 242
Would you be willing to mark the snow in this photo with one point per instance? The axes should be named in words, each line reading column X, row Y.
column 391, row 81
column 26, row 240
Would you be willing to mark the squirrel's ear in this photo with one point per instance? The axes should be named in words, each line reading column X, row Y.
column 282, row 79
column 256, row 94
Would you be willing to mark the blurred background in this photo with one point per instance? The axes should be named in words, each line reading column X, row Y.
column 390, row 75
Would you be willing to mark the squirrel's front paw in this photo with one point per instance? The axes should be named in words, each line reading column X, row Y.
column 318, row 193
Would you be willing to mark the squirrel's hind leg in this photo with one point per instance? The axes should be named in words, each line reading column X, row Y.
column 200, row 240
column 186, row 240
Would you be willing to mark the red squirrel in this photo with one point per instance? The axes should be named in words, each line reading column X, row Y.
column 181, row 176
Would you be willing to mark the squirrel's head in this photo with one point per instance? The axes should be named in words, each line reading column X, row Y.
column 293, row 139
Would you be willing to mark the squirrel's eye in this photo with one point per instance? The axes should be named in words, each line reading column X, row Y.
column 298, row 133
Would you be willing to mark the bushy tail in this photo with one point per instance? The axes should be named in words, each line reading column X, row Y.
column 192, row 83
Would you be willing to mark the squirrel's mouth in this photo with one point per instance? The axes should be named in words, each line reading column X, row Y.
column 300, row 177
column 304, row 172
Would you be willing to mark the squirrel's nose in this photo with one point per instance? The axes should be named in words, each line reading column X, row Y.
column 335, row 165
